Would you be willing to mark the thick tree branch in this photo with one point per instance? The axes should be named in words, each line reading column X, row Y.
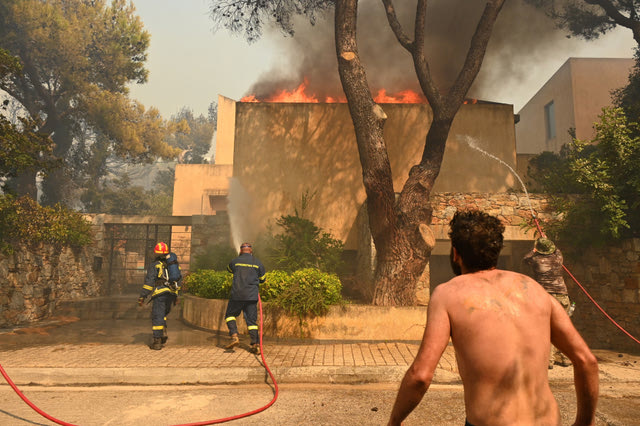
column 392, row 18
column 476, row 52
column 613, row 13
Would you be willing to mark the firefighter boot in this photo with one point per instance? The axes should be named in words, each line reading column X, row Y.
column 255, row 348
column 234, row 341
column 157, row 343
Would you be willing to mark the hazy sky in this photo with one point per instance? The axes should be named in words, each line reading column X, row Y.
column 190, row 65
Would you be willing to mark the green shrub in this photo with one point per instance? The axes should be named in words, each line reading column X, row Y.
column 209, row 284
column 275, row 283
column 307, row 292
column 23, row 220
column 304, row 245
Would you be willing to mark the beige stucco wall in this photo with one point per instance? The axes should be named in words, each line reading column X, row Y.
column 194, row 183
column 579, row 89
column 285, row 149
column 593, row 81
column 225, row 131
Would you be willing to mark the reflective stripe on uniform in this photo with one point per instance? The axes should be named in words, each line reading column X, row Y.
column 161, row 290
column 159, row 268
column 230, row 319
column 252, row 327
column 157, row 327
column 147, row 287
column 248, row 265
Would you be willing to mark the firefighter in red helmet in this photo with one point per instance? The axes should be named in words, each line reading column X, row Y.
column 163, row 291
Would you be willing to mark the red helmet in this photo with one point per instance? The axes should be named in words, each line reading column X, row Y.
column 161, row 248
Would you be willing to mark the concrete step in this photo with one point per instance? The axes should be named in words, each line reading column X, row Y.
column 107, row 307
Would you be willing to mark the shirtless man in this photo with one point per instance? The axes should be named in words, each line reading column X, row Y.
column 501, row 324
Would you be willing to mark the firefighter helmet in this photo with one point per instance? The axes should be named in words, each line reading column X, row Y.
column 544, row 246
column 161, row 248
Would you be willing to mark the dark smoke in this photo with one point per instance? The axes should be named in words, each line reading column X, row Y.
column 522, row 37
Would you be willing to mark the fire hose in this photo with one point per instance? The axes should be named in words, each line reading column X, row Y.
column 535, row 219
column 206, row 422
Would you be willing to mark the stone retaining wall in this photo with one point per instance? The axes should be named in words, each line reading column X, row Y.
column 34, row 281
column 349, row 322
column 611, row 275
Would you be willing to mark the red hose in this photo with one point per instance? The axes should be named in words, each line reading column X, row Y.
column 250, row 413
column 587, row 293
column 206, row 422
column 25, row 399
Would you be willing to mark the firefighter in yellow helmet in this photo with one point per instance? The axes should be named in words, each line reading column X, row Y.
column 163, row 291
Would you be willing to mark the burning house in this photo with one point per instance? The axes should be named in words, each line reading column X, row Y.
column 269, row 154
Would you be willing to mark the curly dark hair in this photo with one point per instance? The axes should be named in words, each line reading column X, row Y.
column 477, row 237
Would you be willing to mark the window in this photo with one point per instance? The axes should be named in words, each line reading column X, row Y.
column 550, row 120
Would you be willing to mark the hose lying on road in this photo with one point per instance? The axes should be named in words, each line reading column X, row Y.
column 206, row 422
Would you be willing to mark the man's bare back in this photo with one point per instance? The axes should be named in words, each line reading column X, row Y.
column 498, row 319
column 501, row 324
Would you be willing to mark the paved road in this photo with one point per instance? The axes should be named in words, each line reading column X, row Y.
column 102, row 372
column 297, row 404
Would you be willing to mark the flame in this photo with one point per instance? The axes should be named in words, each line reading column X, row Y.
column 299, row 95
column 403, row 97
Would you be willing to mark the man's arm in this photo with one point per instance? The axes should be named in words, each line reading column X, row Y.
column 565, row 337
column 418, row 378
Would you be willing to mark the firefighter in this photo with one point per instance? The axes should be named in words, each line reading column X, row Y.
column 248, row 273
column 546, row 261
column 164, row 294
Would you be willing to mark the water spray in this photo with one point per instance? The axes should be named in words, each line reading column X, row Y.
column 472, row 142
column 238, row 204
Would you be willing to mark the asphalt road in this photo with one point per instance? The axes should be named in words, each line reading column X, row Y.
column 296, row 405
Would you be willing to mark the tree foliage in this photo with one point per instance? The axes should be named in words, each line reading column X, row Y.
column 247, row 17
column 23, row 221
column 628, row 97
column 195, row 143
column 77, row 58
column 590, row 19
column 23, row 147
column 604, row 174
column 119, row 196
column 395, row 222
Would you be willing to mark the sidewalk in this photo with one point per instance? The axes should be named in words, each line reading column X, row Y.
column 116, row 352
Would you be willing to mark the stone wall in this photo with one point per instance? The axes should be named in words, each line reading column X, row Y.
column 611, row 276
column 513, row 208
column 34, row 281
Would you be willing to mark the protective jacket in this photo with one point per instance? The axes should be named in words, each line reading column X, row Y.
column 248, row 273
column 156, row 281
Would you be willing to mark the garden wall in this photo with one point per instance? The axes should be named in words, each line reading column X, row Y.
column 349, row 322
column 611, row 275
column 33, row 281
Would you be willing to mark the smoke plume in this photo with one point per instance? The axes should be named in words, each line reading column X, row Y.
column 523, row 36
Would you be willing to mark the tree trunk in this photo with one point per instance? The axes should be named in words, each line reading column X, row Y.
column 397, row 227
column 57, row 185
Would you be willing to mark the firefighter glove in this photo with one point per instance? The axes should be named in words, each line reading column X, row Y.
column 140, row 301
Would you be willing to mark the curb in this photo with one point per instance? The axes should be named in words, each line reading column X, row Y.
column 215, row 375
